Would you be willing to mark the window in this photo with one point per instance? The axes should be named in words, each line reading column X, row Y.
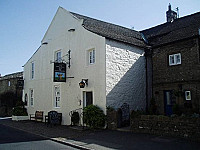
column 57, row 97
column 58, row 57
column 175, row 59
column 8, row 83
column 187, row 95
column 31, row 97
column 91, row 56
column 32, row 70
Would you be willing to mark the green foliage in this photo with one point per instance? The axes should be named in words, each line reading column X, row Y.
column 94, row 117
column 19, row 111
column 75, row 118
column 137, row 113
column 109, row 108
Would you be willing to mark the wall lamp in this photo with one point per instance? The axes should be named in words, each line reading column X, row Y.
column 83, row 83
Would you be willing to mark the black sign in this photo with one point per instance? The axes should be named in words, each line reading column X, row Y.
column 59, row 72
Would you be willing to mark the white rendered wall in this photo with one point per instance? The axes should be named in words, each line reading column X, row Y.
column 125, row 75
column 79, row 42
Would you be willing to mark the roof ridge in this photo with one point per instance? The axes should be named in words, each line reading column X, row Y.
column 176, row 20
column 106, row 22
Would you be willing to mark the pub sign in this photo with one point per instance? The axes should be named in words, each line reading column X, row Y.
column 59, row 72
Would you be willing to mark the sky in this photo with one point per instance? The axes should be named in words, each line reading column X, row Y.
column 23, row 23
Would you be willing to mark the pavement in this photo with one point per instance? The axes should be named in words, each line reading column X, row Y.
column 101, row 139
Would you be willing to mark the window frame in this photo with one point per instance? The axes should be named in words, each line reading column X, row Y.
column 186, row 97
column 175, row 60
column 57, row 103
column 59, row 60
column 91, row 56
column 31, row 97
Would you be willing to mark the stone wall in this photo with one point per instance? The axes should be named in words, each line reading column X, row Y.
column 125, row 75
column 171, row 126
column 177, row 78
column 10, row 92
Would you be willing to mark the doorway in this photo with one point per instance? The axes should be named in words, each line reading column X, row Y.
column 87, row 98
column 168, row 103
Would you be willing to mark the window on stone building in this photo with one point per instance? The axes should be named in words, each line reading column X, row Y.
column 175, row 59
column 187, row 95
column 91, row 56
column 57, row 97
column 31, row 97
column 8, row 83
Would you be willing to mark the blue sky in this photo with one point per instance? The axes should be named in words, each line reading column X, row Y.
column 23, row 23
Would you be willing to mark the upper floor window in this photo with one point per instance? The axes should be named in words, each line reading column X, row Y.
column 92, row 56
column 175, row 59
column 32, row 70
column 58, row 57
column 8, row 83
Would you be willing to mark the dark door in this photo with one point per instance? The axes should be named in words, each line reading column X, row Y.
column 168, row 102
column 88, row 98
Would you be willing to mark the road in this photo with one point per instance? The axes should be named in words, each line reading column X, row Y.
column 13, row 139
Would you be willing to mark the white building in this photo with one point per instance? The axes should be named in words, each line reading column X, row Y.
column 111, row 57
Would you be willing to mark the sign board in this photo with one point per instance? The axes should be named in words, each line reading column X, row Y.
column 59, row 72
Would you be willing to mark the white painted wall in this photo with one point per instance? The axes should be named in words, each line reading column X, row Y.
column 125, row 75
column 79, row 42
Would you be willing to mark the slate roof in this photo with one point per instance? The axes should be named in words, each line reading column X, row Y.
column 13, row 75
column 112, row 31
column 182, row 28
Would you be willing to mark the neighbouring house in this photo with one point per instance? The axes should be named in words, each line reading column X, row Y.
column 176, row 63
column 11, row 87
column 107, row 61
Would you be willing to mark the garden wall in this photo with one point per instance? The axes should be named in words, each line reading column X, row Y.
column 171, row 126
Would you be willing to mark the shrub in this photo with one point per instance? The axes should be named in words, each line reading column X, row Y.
column 19, row 111
column 94, row 117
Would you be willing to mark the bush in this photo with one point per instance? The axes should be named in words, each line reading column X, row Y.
column 19, row 111
column 94, row 117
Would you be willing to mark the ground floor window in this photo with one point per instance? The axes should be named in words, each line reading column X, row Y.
column 57, row 96
column 187, row 95
column 31, row 97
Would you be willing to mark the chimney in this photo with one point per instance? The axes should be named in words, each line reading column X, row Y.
column 170, row 14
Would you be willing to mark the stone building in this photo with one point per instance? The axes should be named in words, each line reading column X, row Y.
column 107, row 58
column 176, row 63
column 11, row 87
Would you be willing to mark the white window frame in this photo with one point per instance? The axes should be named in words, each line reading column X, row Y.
column 58, row 58
column 174, row 57
column 31, row 97
column 57, row 98
column 91, row 56
column 188, row 95
column 32, row 70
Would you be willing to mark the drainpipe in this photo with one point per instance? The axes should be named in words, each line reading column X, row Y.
column 148, row 66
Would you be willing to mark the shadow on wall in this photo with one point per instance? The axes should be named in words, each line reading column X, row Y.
column 131, row 88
